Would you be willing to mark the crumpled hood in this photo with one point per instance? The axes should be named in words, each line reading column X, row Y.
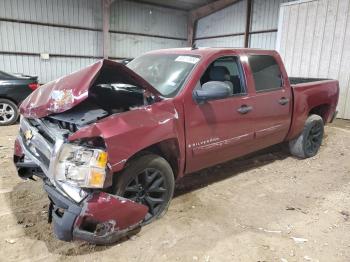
column 68, row 91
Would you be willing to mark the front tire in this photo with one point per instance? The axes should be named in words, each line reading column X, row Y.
column 309, row 141
column 148, row 180
column 8, row 112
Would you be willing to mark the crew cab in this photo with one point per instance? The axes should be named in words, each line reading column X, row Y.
column 110, row 140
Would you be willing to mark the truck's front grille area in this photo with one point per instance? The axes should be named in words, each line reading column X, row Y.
column 38, row 141
column 71, row 127
column 42, row 131
column 40, row 155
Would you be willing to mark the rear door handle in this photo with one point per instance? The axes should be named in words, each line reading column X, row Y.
column 283, row 101
column 244, row 109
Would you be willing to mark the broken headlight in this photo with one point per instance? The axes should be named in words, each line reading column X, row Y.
column 81, row 166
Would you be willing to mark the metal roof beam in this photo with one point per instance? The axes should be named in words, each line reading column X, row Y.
column 106, row 10
column 211, row 8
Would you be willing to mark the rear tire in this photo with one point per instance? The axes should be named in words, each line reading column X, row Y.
column 8, row 112
column 309, row 141
column 149, row 180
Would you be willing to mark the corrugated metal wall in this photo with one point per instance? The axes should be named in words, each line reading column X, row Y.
column 162, row 28
column 228, row 21
column 314, row 41
column 231, row 20
column 264, row 17
column 46, row 70
column 20, row 37
column 71, row 32
column 85, row 13
column 70, row 49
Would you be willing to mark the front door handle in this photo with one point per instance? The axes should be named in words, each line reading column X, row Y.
column 244, row 109
column 283, row 101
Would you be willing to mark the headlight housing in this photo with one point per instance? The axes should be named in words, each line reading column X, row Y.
column 81, row 166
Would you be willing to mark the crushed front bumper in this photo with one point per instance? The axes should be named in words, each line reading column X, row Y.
column 100, row 219
column 95, row 216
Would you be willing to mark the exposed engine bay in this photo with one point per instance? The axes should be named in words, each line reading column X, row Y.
column 103, row 100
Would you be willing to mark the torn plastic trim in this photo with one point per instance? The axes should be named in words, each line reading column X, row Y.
column 101, row 218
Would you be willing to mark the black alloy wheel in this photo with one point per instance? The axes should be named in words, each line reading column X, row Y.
column 309, row 140
column 314, row 138
column 148, row 188
column 148, row 180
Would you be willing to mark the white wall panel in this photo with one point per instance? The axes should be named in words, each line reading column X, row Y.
column 147, row 19
column 231, row 41
column 41, row 36
column 265, row 14
column 142, row 18
column 84, row 13
column 18, row 37
column 123, row 45
column 263, row 40
column 46, row 70
column 314, row 40
column 229, row 20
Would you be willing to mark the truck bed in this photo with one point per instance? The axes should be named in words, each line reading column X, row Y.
column 312, row 95
column 302, row 80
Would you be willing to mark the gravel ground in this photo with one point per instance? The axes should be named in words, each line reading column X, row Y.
column 265, row 207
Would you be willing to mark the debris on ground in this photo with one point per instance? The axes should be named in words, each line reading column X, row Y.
column 299, row 240
column 346, row 215
column 270, row 231
column 28, row 225
column 290, row 208
column 10, row 241
column 307, row 258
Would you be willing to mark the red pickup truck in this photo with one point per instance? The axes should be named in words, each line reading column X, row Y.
column 110, row 140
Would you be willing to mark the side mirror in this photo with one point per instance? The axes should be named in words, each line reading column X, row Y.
column 210, row 91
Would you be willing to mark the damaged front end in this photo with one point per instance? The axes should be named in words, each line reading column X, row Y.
column 77, row 174
column 100, row 218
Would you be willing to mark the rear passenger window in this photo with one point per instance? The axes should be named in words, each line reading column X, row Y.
column 266, row 72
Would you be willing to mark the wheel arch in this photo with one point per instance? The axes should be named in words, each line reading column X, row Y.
column 10, row 99
column 168, row 149
column 322, row 110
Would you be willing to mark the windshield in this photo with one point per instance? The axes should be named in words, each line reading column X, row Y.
column 165, row 72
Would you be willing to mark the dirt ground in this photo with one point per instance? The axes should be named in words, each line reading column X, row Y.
column 265, row 207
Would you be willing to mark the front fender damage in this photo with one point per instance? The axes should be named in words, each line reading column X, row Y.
column 101, row 218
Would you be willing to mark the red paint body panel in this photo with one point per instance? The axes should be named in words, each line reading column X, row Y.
column 117, row 215
column 104, row 207
column 128, row 133
column 68, row 91
column 105, row 218
column 311, row 95
column 17, row 151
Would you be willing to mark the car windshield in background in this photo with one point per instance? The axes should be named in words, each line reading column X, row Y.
column 165, row 72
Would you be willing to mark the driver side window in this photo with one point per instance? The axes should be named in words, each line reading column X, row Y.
column 228, row 70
